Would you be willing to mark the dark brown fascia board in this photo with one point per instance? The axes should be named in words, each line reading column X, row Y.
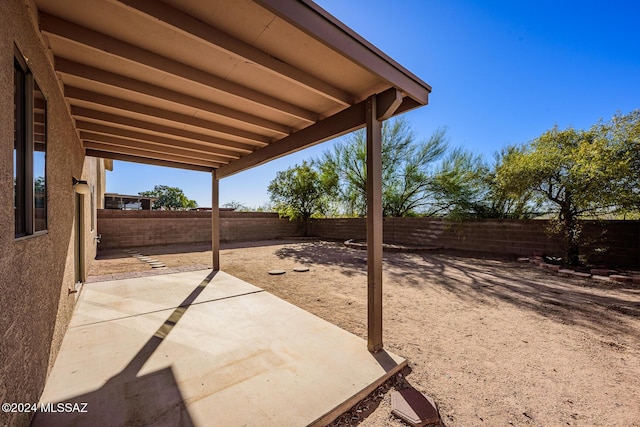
column 341, row 123
column 322, row 26
column 89, row 73
column 194, row 28
column 387, row 103
column 146, row 161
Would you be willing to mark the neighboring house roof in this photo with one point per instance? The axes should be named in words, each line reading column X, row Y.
column 223, row 85
column 129, row 196
column 119, row 201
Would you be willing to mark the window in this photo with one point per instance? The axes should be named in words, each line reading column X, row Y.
column 93, row 207
column 29, row 152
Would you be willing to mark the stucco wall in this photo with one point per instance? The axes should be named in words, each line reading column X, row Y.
column 36, row 272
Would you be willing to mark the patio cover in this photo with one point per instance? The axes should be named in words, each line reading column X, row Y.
column 221, row 86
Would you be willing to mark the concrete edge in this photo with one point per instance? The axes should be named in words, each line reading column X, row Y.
column 330, row 416
column 390, row 247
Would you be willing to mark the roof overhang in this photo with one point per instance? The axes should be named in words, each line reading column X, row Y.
column 223, row 85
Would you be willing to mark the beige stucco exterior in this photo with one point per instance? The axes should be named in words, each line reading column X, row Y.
column 36, row 272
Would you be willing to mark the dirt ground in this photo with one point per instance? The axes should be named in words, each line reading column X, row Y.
column 495, row 342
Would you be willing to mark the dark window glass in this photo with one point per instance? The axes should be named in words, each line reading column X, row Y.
column 39, row 158
column 29, row 151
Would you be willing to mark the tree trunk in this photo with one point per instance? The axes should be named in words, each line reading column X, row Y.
column 572, row 234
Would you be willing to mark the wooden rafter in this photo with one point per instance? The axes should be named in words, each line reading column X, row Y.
column 58, row 27
column 151, row 147
column 319, row 24
column 101, row 116
column 146, row 160
column 219, row 40
column 104, row 147
column 156, row 112
column 87, row 72
column 341, row 123
column 197, row 147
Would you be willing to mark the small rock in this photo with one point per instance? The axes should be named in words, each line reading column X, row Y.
column 581, row 274
column 414, row 407
column 620, row 278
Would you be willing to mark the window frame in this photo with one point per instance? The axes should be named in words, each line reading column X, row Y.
column 23, row 146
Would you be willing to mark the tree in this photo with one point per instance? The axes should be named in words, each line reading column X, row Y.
column 577, row 173
column 236, row 206
column 171, row 198
column 299, row 192
column 464, row 186
column 621, row 162
column 459, row 185
column 406, row 169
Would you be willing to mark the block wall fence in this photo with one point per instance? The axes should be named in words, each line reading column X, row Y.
column 121, row 229
column 621, row 239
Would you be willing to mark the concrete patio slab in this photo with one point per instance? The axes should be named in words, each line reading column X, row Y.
column 203, row 348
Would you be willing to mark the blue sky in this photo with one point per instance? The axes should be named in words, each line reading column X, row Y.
column 502, row 72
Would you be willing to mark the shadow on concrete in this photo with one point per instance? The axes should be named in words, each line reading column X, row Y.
column 129, row 399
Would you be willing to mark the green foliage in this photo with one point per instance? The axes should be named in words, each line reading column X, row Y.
column 169, row 198
column 236, row 206
column 458, row 184
column 464, row 186
column 299, row 192
column 39, row 185
column 621, row 161
column 406, row 169
column 578, row 173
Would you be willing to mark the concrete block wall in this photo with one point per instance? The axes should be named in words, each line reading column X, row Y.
column 510, row 237
column 619, row 239
column 514, row 237
column 120, row 229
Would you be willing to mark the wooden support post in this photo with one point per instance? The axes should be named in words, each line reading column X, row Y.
column 374, row 227
column 215, row 220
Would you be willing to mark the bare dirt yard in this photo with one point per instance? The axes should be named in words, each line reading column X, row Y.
column 495, row 342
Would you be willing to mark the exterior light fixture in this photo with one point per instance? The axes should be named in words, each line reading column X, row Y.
column 81, row 186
